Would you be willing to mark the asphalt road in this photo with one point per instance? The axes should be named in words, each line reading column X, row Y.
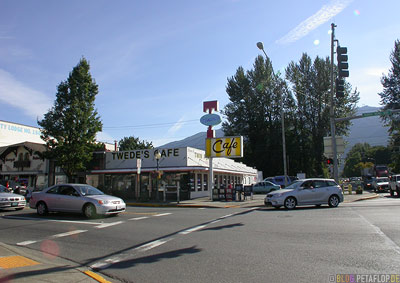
column 307, row 244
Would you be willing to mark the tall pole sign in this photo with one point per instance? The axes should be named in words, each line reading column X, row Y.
column 210, row 120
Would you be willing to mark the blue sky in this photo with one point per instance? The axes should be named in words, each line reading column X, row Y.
column 156, row 61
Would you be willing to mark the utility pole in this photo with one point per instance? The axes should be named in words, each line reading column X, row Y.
column 332, row 108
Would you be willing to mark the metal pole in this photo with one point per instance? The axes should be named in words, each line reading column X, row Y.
column 261, row 47
column 283, row 141
column 211, row 178
column 332, row 109
column 158, row 168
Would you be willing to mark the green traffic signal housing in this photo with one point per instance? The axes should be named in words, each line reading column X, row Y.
column 339, row 88
column 343, row 64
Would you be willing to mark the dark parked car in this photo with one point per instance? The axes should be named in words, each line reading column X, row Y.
column 16, row 187
column 265, row 187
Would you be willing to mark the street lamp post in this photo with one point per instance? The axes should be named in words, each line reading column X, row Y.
column 260, row 46
column 157, row 156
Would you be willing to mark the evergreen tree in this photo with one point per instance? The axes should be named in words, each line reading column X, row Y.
column 390, row 99
column 70, row 127
column 311, row 87
column 130, row 143
column 255, row 113
column 256, row 99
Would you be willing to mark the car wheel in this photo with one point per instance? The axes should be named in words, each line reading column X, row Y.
column 333, row 201
column 89, row 211
column 290, row 203
column 41, row 208
column 391, row 192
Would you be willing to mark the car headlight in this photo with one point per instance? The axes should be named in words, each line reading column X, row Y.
column 277, row 195
column 103, row 201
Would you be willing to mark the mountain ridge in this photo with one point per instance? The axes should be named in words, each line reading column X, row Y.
column 369, row 130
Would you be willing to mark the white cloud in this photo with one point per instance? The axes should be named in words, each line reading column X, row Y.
column 104, row 137
column 322, row 16
column 177, row 126
column 16, row 94
column 368, row 83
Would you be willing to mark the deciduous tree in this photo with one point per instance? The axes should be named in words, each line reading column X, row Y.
column 130, row 143
column 70, row 127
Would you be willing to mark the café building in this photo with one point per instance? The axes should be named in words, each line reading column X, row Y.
column 157, row 174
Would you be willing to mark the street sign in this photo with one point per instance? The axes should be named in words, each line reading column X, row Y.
column 370, row 114
column 138, row 165
column 328, row 151
column 377, row 113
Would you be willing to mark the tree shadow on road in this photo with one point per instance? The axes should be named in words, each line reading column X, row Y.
column 154, row 258
column 223, row 227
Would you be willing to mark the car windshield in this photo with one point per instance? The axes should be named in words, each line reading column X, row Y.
column 380, row 180
column 4, row 189
column 89, row 191
column 294, row 185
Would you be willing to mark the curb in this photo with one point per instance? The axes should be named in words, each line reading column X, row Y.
column 18, row 256
column 364, row 198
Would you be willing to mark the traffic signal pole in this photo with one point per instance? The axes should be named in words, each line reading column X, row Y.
column 332, row 109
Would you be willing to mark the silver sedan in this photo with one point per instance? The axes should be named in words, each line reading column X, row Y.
column 10, row 200
column 306, row 192
column 79, row 198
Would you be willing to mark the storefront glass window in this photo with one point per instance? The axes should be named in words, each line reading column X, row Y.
column 121, row 185
column 205, row 182
column 199, row 181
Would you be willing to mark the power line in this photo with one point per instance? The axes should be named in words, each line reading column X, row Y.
column 153, row 125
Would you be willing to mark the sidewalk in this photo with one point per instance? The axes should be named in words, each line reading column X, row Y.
column 258, row 200
column 20, row 264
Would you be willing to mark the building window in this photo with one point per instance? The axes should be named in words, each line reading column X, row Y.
column 199, row 182
column 205, row 182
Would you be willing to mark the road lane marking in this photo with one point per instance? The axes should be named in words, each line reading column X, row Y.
column 162, row 214
column 25, row 243
column 139, row 218
column 53, row 220
column 105, row 225
column 185, row 232
column 151, row 245
column 108, row 262
column 70, row 233
column 226, row 216
column 378, row 231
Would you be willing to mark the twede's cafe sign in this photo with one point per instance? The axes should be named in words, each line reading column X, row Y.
column 219, row 147
column 225, row 147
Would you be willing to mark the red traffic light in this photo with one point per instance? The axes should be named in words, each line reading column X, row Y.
column 329, row 161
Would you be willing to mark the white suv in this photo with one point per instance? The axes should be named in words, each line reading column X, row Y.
column 306, row 192
column 394, row 185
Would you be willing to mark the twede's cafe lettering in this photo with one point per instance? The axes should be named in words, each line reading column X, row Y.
column 224, row 147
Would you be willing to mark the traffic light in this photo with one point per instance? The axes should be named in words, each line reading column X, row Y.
column 329, row 161
column 339, row 88
column 342, row 59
